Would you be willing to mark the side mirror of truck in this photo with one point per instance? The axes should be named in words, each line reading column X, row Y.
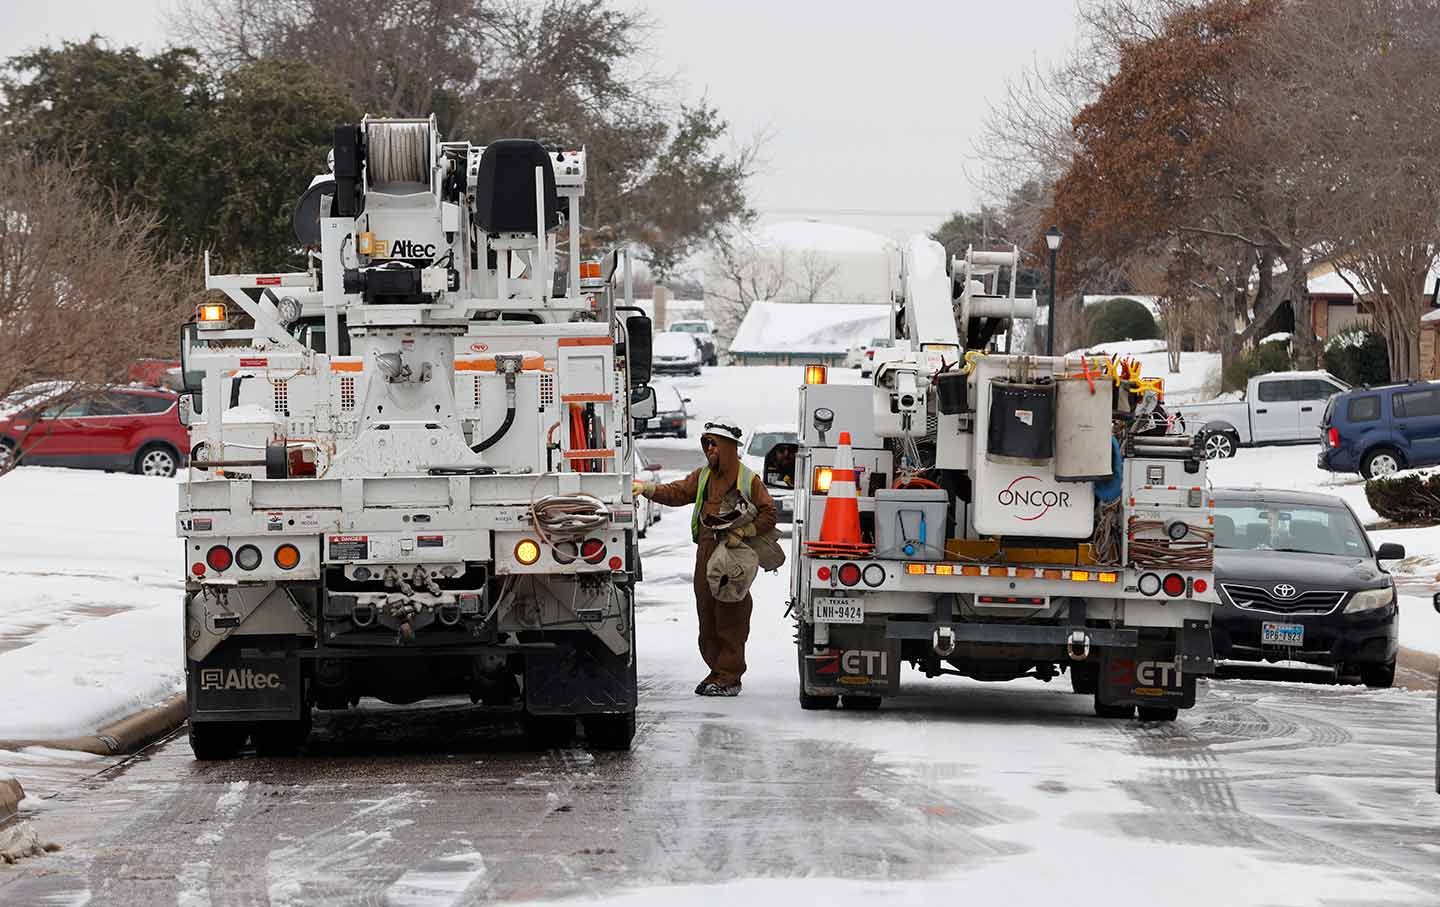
column 1390, row 551
column 642, row 403
column 191, row 378
column 1436, row 601
column 780, row 465
column 637, row 350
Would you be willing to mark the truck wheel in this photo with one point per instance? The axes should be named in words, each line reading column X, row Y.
column 609, row 732
column 1084, row 678
column 811, row 703
column 1378, row 677
column 279, row 738
column 1217, row 445
column 1158, row 713
column 1379, row 463
column 1113, row 711
column 548, row 732
column 860, row 703
column 210, row 740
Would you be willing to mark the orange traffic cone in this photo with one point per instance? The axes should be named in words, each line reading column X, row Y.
column 840, row 529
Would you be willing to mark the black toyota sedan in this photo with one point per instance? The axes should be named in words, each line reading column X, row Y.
column 1300, row 581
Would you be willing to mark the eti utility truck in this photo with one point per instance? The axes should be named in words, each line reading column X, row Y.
column 426, row 490
column 1018, row 515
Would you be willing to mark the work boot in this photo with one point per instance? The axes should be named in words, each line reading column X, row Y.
column 715, row 688
column 700, row 687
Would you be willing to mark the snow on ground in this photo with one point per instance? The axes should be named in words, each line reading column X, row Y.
column 90, row 620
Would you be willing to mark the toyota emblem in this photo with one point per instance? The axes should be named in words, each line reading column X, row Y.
column 1284, row 590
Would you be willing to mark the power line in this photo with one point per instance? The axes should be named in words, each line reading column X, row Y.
column 859, row 212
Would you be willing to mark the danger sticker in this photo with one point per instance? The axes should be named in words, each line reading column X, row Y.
column 254, row 363
column 1025, row 416
column 349, row 547
column 430, row 541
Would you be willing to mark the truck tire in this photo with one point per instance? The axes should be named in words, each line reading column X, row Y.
column 1084, row 678
column 1378, row 676
column 1380, row 462
column 860, row 703
column 212, row 740
column 1157, row 713
column 1113, row 711
column 274, row 739
column 812, row 703
column 609, row 732
column 1218, row 445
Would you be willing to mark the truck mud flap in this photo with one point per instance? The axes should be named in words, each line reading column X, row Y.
column 246, row 678
column 580, row 676
column 858, row 659
column 1145, row 677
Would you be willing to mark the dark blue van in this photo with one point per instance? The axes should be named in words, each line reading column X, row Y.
column 1378, row 430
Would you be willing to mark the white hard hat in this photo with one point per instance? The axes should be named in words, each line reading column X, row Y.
column 724, row 428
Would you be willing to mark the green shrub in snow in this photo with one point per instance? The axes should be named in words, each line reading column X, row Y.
column 1357, row 356
column 1267, row 357
column 1120, row 319
column 1411, row 498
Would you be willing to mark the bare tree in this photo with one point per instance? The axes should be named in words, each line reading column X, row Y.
column 738, row 271
column 83, row 294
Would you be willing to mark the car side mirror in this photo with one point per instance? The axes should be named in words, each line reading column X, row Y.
column 642, row 403
column 638, row 350
column 184, row 409
column 1436, row 601
column 1390, row 551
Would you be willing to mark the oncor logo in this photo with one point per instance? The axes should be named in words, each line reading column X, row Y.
column 239, row 679
column 1040, row 500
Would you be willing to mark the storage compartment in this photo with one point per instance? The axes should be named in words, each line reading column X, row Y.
column 1022, row 423
column 1082, row 430
column 910, row 523
column 952, row 393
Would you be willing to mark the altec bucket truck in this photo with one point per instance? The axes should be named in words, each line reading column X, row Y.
column 1019, row 515
column 428, row 492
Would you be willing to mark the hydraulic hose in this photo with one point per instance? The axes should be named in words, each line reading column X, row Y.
column 509, row 365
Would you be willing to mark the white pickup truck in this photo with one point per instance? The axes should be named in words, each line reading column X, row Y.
column 1277, row 408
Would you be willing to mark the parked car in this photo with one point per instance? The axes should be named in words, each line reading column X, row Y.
column 703, row 331
column 675, row 352
column 864, row 355
column 130, row 428
column 1277, row 408
column 1300, row 581
column 647, row 512
column 666, row 422
column 1378, row 430
column 771, row 455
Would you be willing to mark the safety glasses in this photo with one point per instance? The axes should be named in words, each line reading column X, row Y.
column 706, row 443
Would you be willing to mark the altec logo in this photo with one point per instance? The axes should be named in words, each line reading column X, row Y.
column 1033, row 502
column 239, row 679
column 409, row 248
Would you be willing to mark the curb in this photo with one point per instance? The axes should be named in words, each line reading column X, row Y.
column 124, row 736
column 11, row 793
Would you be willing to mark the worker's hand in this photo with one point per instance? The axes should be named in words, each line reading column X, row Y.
column 737, row 536
column 639, row 487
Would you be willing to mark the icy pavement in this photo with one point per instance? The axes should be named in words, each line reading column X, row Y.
column 1265, row 794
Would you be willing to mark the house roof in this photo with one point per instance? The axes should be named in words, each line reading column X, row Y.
column 810, row 327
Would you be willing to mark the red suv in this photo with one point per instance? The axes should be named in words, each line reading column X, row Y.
column 131, row 428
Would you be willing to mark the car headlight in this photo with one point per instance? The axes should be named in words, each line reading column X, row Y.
column 1370, row 599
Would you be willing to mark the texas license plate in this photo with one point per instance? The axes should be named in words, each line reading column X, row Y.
column 1273, row 634
column 839, row 610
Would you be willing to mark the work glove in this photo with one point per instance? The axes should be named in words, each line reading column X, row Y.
column 639, row 487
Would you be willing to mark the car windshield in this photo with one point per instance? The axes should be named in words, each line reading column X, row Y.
column 673, row 344
column 762, row 441
column 689, row 327
column 1303, row 528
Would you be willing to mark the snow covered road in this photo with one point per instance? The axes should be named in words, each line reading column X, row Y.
column 1281, row 793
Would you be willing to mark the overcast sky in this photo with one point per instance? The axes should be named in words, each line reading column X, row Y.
column 870, row 109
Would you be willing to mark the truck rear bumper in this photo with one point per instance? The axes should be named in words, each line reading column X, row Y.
column 1013, row 634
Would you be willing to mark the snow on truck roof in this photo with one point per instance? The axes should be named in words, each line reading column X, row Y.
column 809, row 327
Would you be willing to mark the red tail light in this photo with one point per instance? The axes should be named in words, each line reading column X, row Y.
column 592, row 550
column 1333, row 436
column 219, row 558
column 849, row 574
column 1174, row 585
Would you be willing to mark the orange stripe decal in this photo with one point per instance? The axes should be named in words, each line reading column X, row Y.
column 347, row 366
column 487, row 364
column 586, row 341
column 590, row 454
column 587, row 398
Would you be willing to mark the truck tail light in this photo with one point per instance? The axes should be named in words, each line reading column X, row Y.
column 592, row 550
column 820, row 481
column 823, row 574
column 1174, row 585
column 527, row 552
column 849, row 574
column 564, row 552
column 1149, row 583
column 286, row 557
column 874, row 575
column 247, row 557
column 219, row 558
column 1333, row 437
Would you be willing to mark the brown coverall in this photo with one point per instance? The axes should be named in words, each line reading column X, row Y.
column 724, row 626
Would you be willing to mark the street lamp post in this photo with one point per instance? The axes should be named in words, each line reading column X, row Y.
column 1052, row 239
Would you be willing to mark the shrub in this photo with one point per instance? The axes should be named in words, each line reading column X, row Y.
column 1413, row 498
column 1357, row 356
column 1267, row 357
column 1120, row 319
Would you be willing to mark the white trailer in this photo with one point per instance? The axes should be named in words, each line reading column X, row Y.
column 412, row 466
column 1021, row 515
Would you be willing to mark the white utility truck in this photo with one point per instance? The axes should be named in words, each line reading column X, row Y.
column 1277, row 408
column 1020, row 516
column 412, row 460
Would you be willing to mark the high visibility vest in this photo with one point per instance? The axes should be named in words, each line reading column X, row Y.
column 743, row 485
